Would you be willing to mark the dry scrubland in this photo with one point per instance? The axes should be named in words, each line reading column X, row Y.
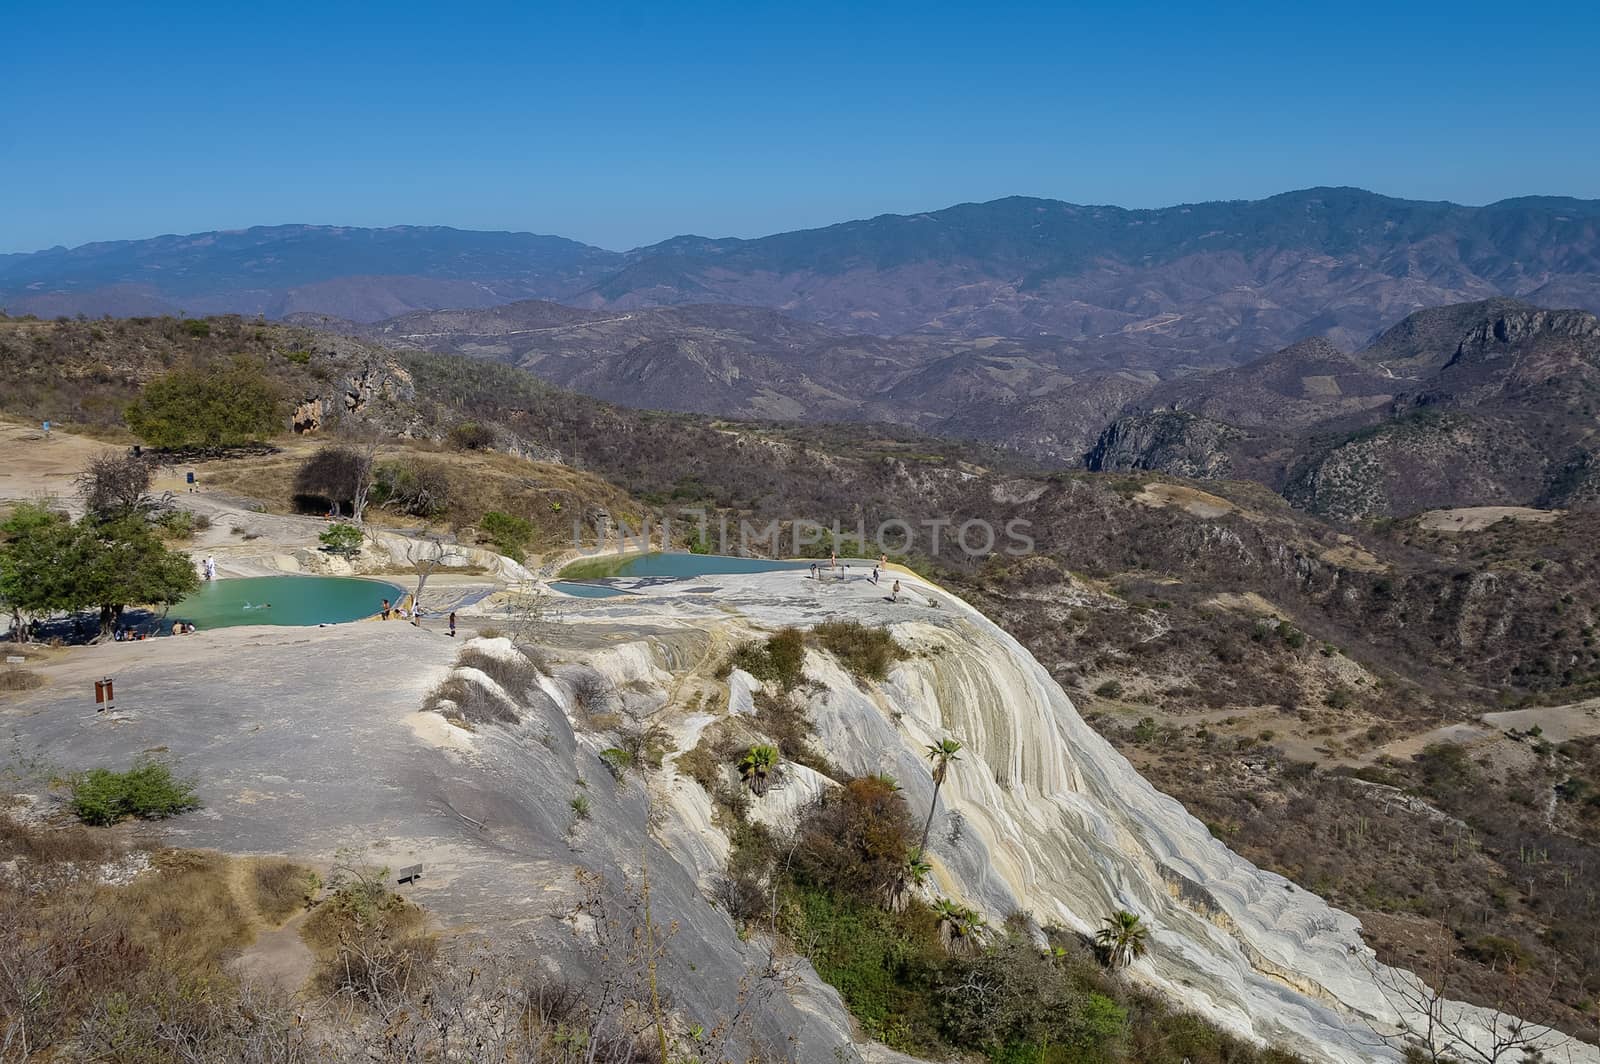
column 1292, row 681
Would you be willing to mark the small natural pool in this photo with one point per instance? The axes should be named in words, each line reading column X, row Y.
column 581, row 590
column 283, row 600
column 675, row 564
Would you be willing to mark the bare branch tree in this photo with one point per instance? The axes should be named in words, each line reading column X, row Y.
column 114, row 485
column 1445, row 1031
column 425, row 553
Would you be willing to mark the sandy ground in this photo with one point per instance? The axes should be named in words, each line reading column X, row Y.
column 1478, row 518
column 33, row 467
column 1195, row 501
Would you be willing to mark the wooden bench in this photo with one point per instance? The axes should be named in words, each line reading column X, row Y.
column 409, row 874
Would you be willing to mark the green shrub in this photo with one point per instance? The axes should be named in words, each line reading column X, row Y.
column 342, row 539
column 617, row 761
column 197, row 327
column 1500, row 951
column 472, row 436
column 511, row 535
column 779, row 659
column 181, row 524
column 298, row 357
column 1109, row 689
column 1292, row 637
column 883, row 964
column 866, row 653
column 148, row 791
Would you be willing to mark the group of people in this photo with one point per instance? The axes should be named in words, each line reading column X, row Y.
column 209, row 567
column 132, row 635
column 414, row 616
column 876, row 577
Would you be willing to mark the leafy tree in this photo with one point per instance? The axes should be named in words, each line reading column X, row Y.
column 35, row 546
column 758, row 767
column 1122, row 939
column 472, row 436
column 942, row 753
column 417, row 488
column 853, row 840
column 342, row 539
column 123, row 562
column 219, row 408
column 50, row 563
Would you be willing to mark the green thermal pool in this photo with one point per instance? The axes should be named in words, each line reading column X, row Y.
column 285, row 600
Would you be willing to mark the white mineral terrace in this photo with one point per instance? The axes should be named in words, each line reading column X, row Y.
column 1052, row 820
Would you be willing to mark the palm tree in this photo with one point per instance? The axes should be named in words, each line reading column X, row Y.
column 941, row 753
column 1123, row 938
column 758, row 767
column 917, row 866
column 959, row 926
column 913, row 873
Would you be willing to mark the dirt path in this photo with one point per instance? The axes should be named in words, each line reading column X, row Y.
column 278, row 958
column 276, row 955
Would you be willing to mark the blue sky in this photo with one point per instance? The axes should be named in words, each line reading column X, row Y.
column 622, row 123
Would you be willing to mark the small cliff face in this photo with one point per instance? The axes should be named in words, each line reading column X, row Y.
column 1165, row 441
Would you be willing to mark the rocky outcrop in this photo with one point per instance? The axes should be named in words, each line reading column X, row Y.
column 1165, row 441
column 1495, row 335
column 373, row 387
column 1426, row 461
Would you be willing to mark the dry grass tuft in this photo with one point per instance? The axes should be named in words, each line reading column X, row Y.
column 15, row 679
column 186, row 913
column 281, row 888
column 458, row 698
column 42, row 845
column 515, row 674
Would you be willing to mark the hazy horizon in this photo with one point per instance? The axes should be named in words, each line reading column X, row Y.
column 750, row 236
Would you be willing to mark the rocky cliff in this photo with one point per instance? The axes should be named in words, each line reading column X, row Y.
column 1166, row 441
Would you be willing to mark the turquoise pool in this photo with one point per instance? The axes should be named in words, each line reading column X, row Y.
column 582, row 590
column 283, row 600
column 702, row 565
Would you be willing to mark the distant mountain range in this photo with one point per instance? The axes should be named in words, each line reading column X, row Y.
column 1488, row 403
column 1044, row 396
column 1491, row 402
column 1196, row 285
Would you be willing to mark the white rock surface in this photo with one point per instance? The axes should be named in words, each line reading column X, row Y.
column 1042, row 814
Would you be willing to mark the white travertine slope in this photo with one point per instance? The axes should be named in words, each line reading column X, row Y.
column 1043, row 815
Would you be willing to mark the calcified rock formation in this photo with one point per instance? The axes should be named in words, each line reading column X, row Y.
column 1042, row 814
column 311, row 744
